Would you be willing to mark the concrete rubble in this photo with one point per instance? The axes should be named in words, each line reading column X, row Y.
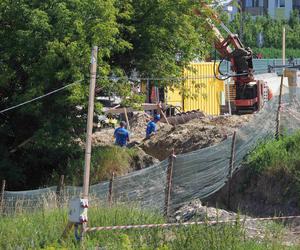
column 195, row 211
column 260, row 230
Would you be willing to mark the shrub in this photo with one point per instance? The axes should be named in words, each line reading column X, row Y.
column 107, row 160
column 275, row 154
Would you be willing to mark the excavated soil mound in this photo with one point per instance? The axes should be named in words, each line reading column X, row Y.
column 137, row 131
column 196, row 134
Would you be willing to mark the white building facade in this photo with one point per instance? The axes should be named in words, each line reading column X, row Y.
column 278, row 9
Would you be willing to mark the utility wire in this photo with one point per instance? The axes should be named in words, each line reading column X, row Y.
column 40, row 97
column 132, row 79
column 166, row 78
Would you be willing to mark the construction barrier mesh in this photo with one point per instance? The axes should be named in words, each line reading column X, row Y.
column 198, row 174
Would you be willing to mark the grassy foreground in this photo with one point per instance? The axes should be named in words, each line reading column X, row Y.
column 43, row 231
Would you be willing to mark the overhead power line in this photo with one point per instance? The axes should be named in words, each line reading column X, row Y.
column 122, row 78
column 40, row 97
column 184, row 78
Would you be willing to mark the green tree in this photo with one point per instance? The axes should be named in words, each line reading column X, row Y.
column 272, row 33
column 165, row 36
column 45, row 45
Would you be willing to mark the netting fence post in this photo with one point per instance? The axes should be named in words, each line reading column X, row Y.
column 231, row 167
column 2, row 196
column 60, row 191
column 169, row 183
column 277, row 133
column 110, row 189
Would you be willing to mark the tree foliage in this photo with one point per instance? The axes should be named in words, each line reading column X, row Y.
column 271, row 30
column 46, row 44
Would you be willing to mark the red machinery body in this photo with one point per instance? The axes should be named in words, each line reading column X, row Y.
column 250, row 96
column 249, row 92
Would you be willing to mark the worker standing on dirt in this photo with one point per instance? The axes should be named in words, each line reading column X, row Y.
column 151, row 126
column 122, row 135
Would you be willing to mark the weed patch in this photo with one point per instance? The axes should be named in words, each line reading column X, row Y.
column 43, row 231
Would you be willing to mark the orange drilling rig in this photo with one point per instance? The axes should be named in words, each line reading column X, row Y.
column 249, row 92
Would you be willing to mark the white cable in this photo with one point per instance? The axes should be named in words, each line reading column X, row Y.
column 40, row 97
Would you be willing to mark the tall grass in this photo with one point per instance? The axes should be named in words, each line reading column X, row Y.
column 105, row 160
column 111, row 159
column 43, row 230
column 277, row 154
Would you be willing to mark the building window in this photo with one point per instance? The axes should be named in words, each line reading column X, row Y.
column 280, row 3
column 249, row 3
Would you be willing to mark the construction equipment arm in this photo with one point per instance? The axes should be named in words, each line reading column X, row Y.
column 231, row 48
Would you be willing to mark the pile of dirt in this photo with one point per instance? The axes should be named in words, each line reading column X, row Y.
column 142, row 160
column 196, row 134
column 103, row 137
column 138, row 122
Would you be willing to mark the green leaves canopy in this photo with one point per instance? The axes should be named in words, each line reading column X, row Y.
column 46, row 44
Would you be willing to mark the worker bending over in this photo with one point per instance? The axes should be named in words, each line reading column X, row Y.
column 151, row 126
column 121, row 135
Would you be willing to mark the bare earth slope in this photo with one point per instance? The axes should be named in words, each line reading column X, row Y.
column 196, row 134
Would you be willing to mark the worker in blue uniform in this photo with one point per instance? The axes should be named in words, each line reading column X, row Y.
column 151, row 126
column 121, row 135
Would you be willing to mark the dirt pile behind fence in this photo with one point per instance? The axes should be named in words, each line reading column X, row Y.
column 196, row 134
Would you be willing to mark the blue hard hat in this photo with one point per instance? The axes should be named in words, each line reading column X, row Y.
column 157, row 117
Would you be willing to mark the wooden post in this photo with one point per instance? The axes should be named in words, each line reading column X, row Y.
column 277, row 133
column 283, row 45
column 110, row 190
column 169, row 183
column 162, row 113
column 126, row 117
column 89, row 131
column 231, row 167
column 2, row 196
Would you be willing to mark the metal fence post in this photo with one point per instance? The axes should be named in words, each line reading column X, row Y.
column 169, row 183
column 231, row 167
column 110, row 190
column 2, row 196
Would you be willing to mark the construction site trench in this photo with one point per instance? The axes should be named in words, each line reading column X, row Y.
column 250, row 194
column 202, row 148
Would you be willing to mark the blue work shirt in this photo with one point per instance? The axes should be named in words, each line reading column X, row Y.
column 122, row 136
column 151, row 127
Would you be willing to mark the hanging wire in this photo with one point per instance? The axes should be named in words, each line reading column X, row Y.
column 40, row 97
column 126, row 78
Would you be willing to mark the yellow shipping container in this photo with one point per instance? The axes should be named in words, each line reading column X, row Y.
column 203, row 91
